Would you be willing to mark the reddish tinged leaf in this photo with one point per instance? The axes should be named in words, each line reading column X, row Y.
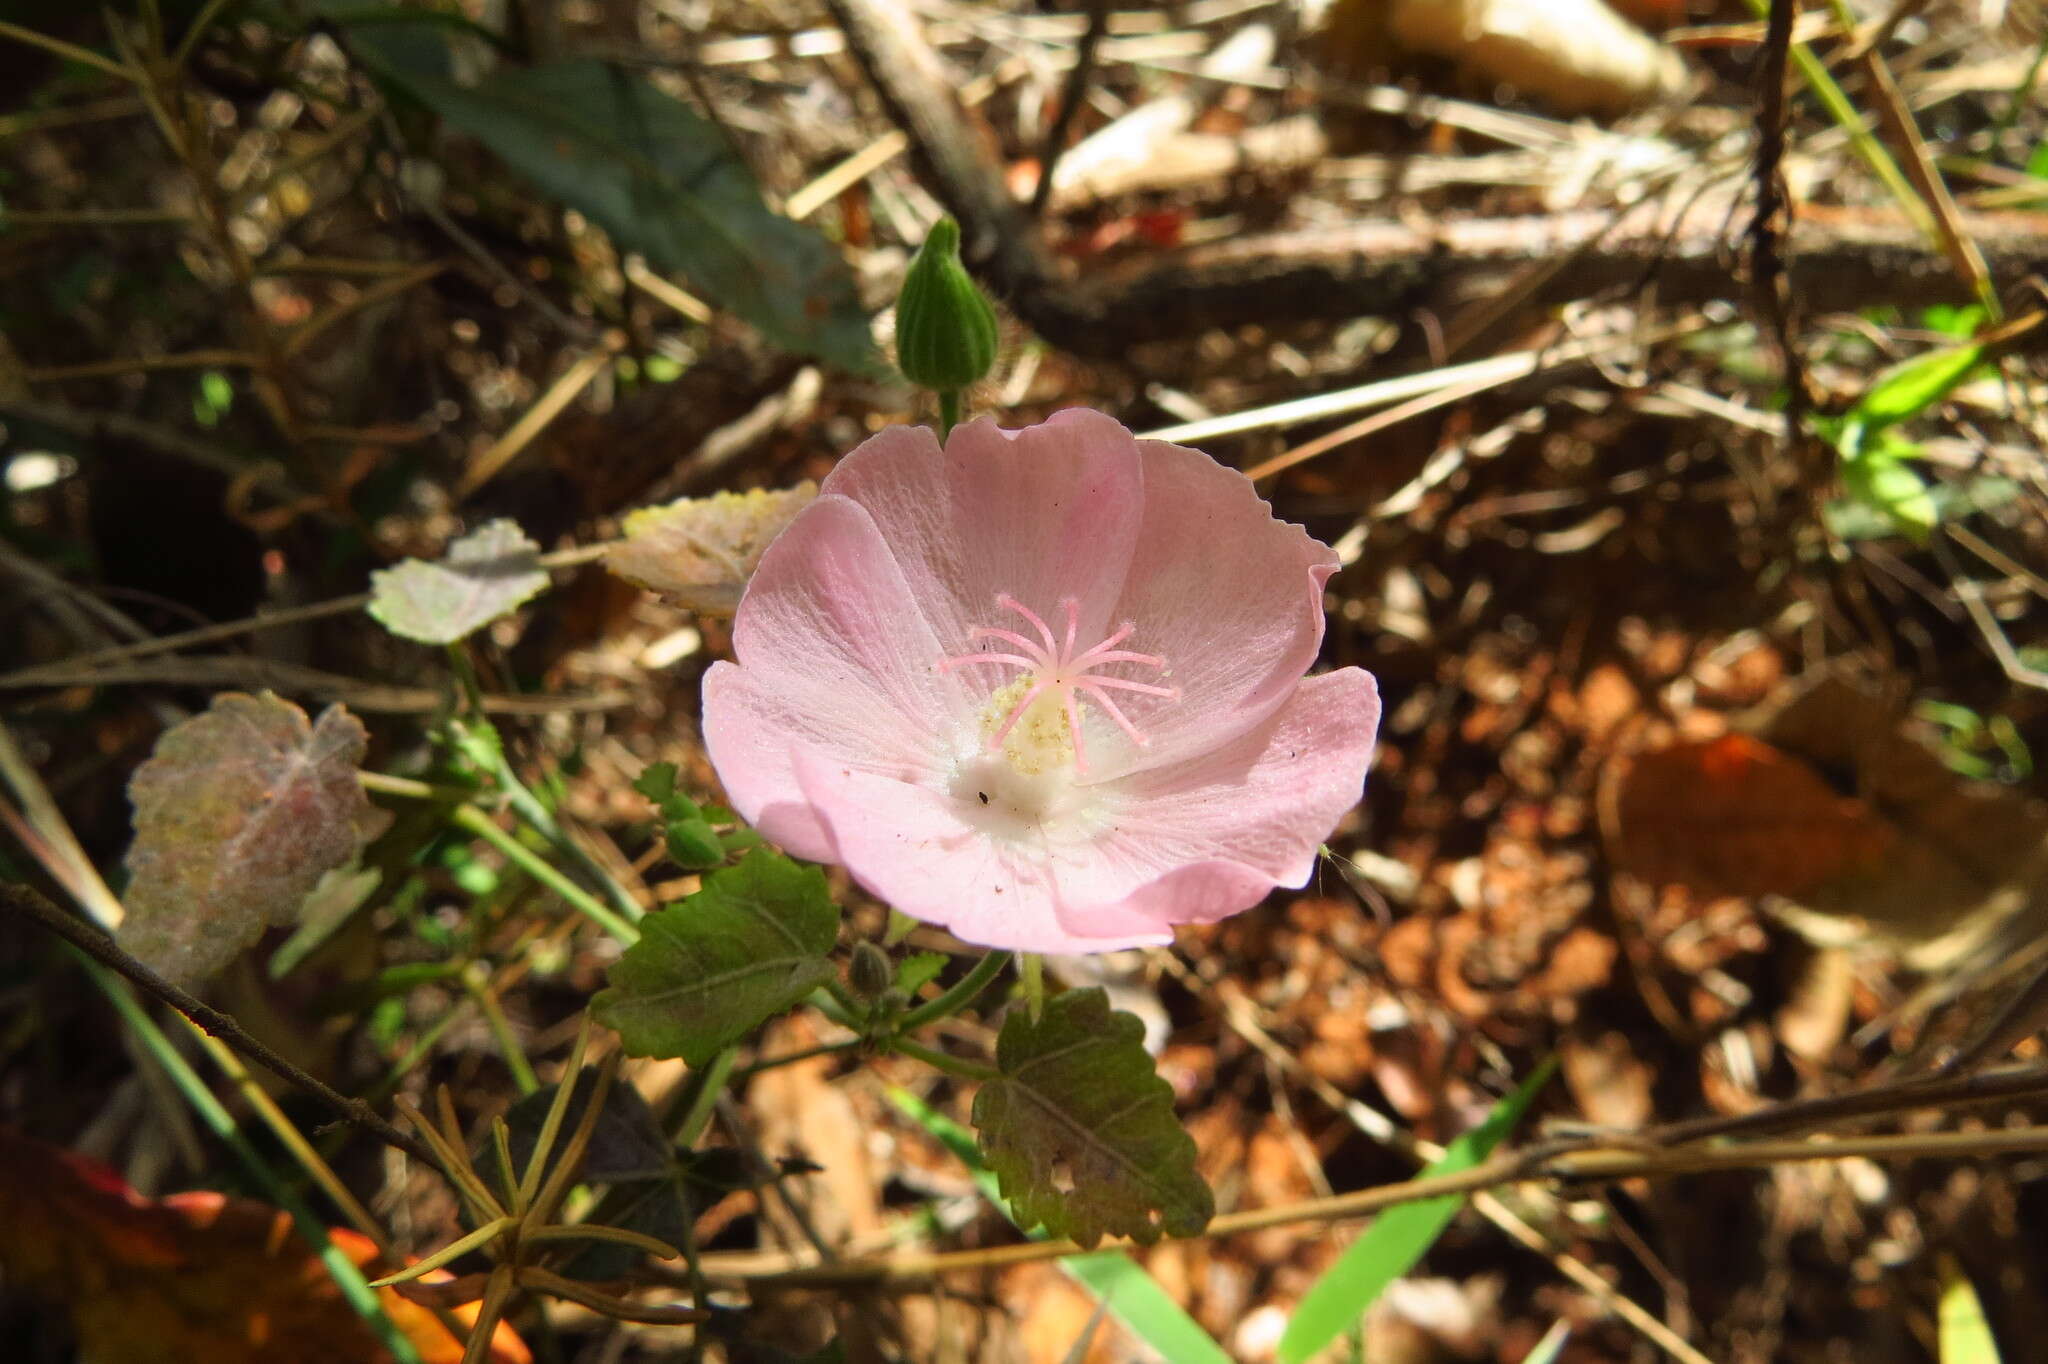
column 196, row 1276
column 238, row 814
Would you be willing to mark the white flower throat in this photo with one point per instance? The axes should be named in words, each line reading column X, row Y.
column 1034, row 722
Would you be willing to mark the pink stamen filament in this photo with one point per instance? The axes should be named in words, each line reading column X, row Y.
column 1055, row 664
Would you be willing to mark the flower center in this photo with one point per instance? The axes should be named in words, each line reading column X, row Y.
column 1035, row 720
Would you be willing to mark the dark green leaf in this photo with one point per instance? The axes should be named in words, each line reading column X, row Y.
column 626, row 1149
column 1399, row 1236
column 1080, row 1129
column 710, row 969
column 1118, row 1282
column 662, row 182
column 625, row 1144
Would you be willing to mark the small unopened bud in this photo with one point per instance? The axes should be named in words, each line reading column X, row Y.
column 945, row 328
column 869, row 973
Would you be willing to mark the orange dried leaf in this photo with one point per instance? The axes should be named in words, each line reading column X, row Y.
column 238, row 814
column 1919, row 859
column 1735, row 816
column 196, row 1276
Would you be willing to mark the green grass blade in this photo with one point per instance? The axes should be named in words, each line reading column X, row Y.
column 1398, row 1237
column 1120, row 1283
column 1965, row 1334
column 1552, row 1345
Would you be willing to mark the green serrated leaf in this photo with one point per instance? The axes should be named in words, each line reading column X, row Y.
column 657, row 782
column 711, row 968
column 918, row 970
column 486, row 574
column 663, row 182
column 1399, row 1236
column 1080, row 1129
column 1908, row 389
column 1118, row 1282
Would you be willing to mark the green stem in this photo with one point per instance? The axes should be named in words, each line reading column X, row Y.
column 957, row 1066
column 540, row 869
column 465, row 677
column 790, row 1058
column 2018, row 102
column 949, row 413
column 711, row 1083
column 424, row 1044
column 959, row 997
column 1031, row 970
column 476, row 980
column 354, row 1289
column 528, row 807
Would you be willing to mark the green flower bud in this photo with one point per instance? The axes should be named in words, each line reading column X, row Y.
column 694, row 846
column 945, row 328
column 869, row 973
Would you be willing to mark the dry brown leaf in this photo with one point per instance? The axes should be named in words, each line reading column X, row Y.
column 700, row 551
column 1576, row 56
column 238, row 814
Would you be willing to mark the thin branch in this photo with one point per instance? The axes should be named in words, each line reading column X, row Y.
column 135, row 364
column 1766, row 261
column 65, row 672
column 102, row 949
column 1604, row 1165
column 1071, row 96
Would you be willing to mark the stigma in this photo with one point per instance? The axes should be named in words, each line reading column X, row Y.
column 1035, row 720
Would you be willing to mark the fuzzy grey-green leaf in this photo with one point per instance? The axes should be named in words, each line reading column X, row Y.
column 486, row 574
column 1080, row 1129
column 710, row 969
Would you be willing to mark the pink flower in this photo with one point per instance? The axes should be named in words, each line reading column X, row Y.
column 1042, row 687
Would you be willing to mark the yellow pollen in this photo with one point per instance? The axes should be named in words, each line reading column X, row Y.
column 1041, row 741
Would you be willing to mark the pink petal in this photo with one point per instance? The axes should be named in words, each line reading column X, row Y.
column 1231, row 597
column 1041, row 513
column 909, row 846
column 1205, row 838
column 834, row 657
